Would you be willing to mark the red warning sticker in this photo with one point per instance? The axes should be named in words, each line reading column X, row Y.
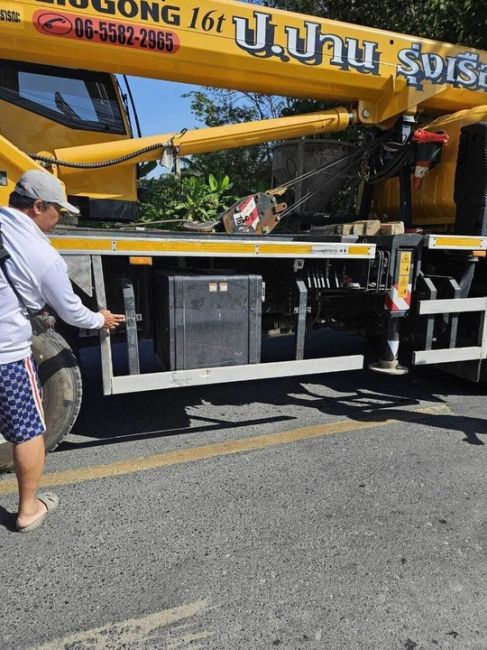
column 111, row 32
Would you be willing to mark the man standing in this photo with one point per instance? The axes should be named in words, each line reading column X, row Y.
column 33, row 275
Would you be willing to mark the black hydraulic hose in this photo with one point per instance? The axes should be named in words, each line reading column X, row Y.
column 397, row 162
column 393, row 167
column 106, row 163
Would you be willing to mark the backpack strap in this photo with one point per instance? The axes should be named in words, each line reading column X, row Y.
column 4, row 256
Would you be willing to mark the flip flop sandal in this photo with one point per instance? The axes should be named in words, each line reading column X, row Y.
column 51, row 501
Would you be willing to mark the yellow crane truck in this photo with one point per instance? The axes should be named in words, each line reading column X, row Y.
column 410, row 264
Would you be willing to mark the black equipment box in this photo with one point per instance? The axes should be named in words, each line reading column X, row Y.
column 471, row 181
column 205, row 321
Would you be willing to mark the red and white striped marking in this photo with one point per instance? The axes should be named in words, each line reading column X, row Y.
column 35, row 389
column 395, row 302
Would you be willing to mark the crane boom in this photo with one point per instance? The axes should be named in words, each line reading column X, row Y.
column 58, row 59
column 199, row 141
column 248, row 47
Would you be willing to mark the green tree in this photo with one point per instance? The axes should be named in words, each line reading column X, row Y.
column 172, row 200
column 250, row 167
column 454, row 21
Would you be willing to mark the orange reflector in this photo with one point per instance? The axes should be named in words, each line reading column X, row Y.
column 479, row 253
column 141, row 261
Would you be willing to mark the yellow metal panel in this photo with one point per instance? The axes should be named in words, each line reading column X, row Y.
column 434, row 203
column 38, row 133
column 13, row 15
column 14, row 162
column 249, row 47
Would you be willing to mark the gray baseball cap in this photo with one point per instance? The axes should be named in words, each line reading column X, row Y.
column 37, row 184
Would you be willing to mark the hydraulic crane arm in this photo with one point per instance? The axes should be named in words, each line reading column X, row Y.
column 248, row 47
column 55, row 56
column 199, row 140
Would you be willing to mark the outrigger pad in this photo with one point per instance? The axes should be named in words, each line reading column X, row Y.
column 257, row 214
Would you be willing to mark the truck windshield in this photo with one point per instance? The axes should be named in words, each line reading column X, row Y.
column 78, row 99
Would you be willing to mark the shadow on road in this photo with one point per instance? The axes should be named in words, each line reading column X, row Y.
column 7, row 519
column 361, row 396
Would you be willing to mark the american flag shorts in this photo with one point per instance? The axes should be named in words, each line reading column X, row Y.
column 21, row 413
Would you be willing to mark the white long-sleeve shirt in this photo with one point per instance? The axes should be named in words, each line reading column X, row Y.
column 40, row 275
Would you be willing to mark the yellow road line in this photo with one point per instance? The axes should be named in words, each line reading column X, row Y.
column 168, row 458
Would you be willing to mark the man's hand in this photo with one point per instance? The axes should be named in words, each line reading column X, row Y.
column 112, row 321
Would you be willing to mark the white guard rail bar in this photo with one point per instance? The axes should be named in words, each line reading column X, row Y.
column 454, row 306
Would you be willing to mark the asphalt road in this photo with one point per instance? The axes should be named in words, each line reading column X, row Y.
column 329, row 512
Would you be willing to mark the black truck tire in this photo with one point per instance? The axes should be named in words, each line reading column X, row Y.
column 61, row 391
